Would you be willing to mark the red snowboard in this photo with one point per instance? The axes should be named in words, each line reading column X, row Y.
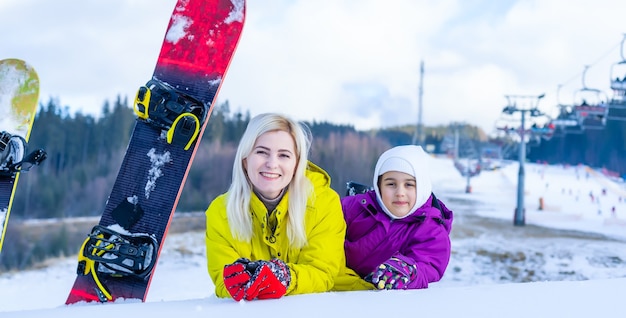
column 119, row 256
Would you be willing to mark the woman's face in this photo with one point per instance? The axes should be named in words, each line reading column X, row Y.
column 398, row 192
column 272, row 162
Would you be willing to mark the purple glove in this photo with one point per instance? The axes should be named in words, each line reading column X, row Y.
column 393, row 274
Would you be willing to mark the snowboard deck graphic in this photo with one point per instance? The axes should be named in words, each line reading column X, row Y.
column 19, row 93
column 199, row 44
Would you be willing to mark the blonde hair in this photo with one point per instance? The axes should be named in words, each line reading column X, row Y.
column 299, row 189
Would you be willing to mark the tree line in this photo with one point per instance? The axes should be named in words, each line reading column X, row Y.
column 601, row 148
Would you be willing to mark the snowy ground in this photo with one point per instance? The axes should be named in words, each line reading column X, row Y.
column 575, row 240
column 572, row 238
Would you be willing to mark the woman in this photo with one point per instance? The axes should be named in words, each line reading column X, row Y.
column 279, row 230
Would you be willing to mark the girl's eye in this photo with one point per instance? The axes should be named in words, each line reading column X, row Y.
column 284, row 155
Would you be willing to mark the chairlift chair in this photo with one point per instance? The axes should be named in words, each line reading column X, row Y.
column 545, row 131
column 617, row 104
column 566, row 121
column 564, row 127
column 505, row 125
column 590, row 106
column 618, row 70
column 618, row 76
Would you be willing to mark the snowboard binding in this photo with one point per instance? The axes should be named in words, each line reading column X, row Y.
column 108, row 252
column 169, row 109
column 12, row 158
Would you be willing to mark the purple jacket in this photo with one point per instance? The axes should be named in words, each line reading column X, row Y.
column 421, row 238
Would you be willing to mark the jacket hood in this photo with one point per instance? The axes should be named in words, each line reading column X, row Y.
column 317, row 175
column 411, row 160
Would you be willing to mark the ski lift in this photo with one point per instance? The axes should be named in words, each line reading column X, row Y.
column 563, row 126
column 566, row 122
column 618, row 71
column 505, row 125
column 515, row 127
column 618, row 77
column 545, row 132
column 508, row 124
column 590, row 106
column 617, row 105
column 541, row 127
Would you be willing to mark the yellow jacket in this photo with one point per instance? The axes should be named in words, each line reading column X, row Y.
column 313, row 267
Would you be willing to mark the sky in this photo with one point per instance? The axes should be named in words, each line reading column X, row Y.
column 577, row 257
column 354, row 62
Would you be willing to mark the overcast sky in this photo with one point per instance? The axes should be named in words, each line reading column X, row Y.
column 344, row 61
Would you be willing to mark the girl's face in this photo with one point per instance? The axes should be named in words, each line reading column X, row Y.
column 272, row 162
column 398, row 192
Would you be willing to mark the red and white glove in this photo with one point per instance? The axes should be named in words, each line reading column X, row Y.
column 236, row 276
column 246, row 279
column 270, row 279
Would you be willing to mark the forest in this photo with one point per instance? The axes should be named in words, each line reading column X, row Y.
column 600, row 148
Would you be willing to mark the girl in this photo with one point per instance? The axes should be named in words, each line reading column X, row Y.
column 398, row 233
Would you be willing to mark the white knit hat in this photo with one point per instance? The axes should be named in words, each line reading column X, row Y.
column 408, row 159
column 396, row 164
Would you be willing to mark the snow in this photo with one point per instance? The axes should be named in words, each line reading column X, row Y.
column 569, row 260
column 237, row 14
column 118, row 229
column 157, row 161
column 3, row 215
column 178, row 30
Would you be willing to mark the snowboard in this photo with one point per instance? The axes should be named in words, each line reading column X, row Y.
column 118, row 258
column 19, row 92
